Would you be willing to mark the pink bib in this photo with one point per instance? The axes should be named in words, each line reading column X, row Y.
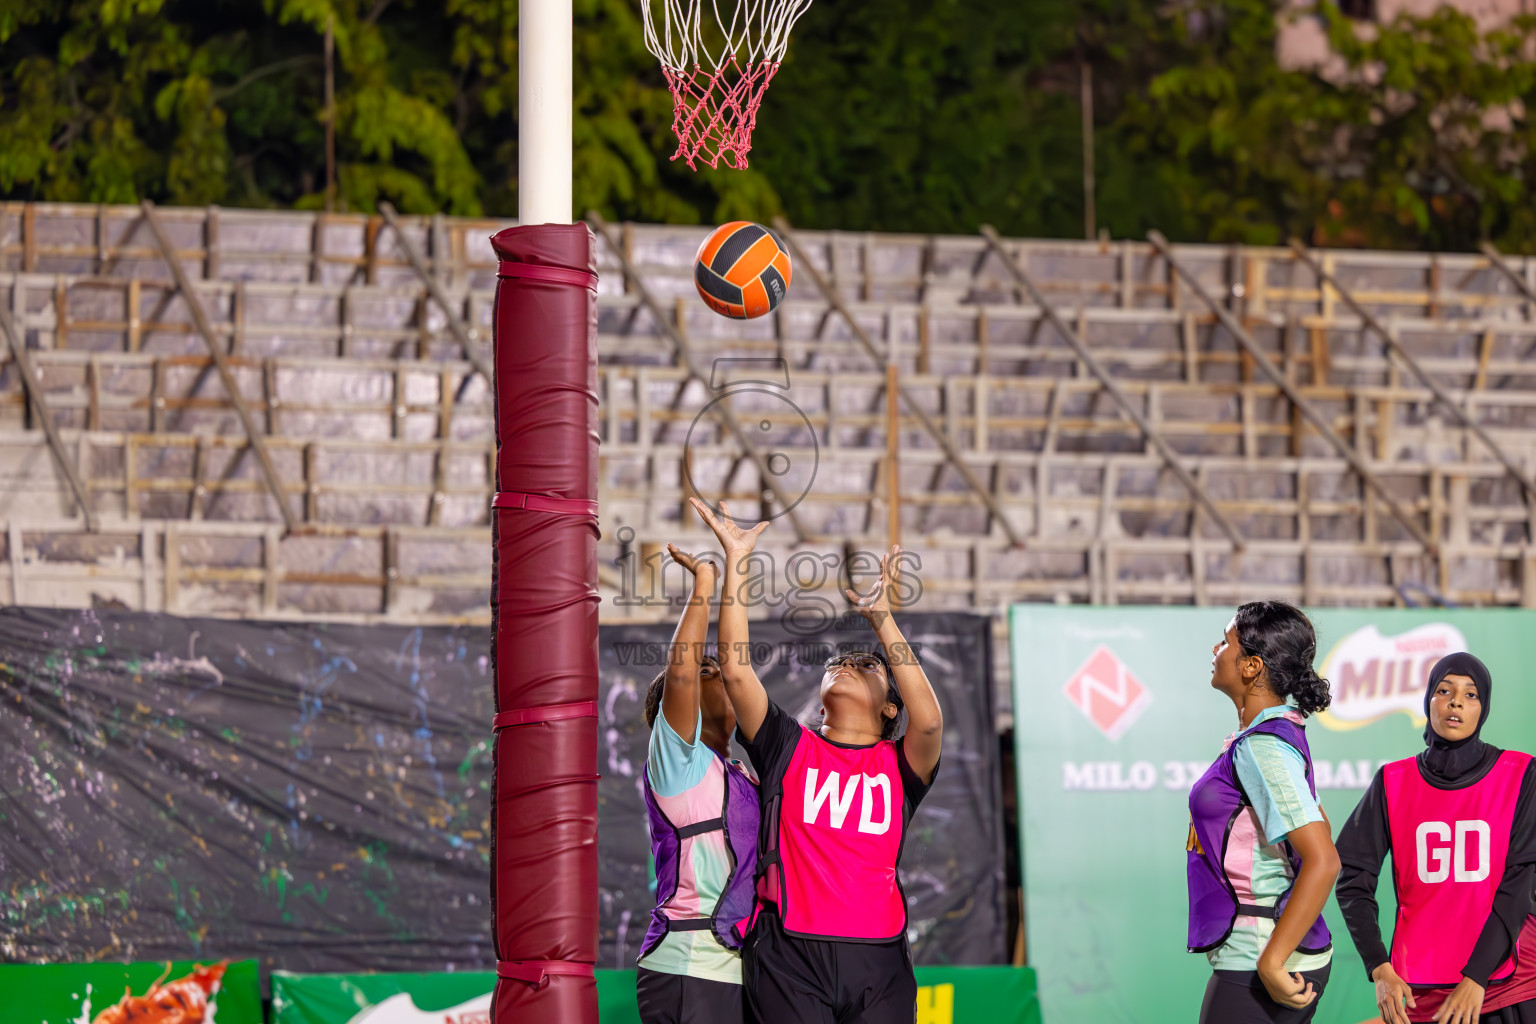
column 1448, row 853
column 840, row 834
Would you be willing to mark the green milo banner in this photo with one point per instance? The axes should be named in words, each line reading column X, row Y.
column 180, row 992
column 946, row 995
column 1115, row 720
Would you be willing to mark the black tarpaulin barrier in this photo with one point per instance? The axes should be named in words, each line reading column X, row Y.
column 318, row 796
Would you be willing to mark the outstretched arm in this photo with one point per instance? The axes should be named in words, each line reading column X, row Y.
column 924, row 739
column 680, row 693
column 742, row 686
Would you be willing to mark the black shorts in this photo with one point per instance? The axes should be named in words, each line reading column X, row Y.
column 789, row 980
column 1239, row 997
column 1520, row 1013
column 678, row 999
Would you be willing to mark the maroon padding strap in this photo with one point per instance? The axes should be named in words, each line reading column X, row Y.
column 544, row 503
column 537, row 972
column 550, row 275
column 545, row 713
column 569, row 780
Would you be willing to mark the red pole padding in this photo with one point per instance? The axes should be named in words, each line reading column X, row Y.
column 544, row 627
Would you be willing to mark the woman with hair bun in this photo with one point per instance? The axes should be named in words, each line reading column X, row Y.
column 1261, row 855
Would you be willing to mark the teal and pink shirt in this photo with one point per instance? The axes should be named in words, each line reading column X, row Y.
column 688, row 783
column 1274, row 776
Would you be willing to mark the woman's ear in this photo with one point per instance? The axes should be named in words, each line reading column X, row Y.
column 890, row 710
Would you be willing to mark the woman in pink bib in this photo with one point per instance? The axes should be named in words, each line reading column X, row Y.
column 1460, row 822
column 828, row 938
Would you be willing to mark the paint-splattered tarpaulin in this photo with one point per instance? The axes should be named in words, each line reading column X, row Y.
column 316, row 796
column 313, row 796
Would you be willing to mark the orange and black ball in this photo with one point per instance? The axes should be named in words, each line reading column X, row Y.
column 742, row 270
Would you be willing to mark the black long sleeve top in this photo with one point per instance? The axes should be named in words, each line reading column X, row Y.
column 1364, row 842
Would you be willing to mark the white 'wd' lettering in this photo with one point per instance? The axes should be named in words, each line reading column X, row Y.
column 828, row 795
column 1435, row 865
column 839, row 800
column 866, row 823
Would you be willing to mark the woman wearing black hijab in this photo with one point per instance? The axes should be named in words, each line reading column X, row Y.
column 1460, row 822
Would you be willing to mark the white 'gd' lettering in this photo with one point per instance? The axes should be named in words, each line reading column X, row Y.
column 839, row 800
column 1437, row 863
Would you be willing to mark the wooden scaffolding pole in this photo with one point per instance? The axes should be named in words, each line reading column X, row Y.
column 951, row 453
column 464, row 335
column 1260, row 360
column 1080, row 347
column 220, row 360
column 1502, row 265
column 1403, row 356
column 40, row 410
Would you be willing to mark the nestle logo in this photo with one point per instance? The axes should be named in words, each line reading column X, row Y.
column 1106, row 692
column 1373, row 675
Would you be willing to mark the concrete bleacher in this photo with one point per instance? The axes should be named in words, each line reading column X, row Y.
column 381, row 431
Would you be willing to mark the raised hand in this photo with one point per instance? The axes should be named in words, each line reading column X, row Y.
column 742, row 687
column 876, row 605
column 732, row 537
column 702, row 566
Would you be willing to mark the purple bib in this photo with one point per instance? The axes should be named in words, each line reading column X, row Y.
column 1214, row 805
column 738, row 820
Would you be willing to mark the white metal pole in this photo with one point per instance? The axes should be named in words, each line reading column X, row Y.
column 544, row 112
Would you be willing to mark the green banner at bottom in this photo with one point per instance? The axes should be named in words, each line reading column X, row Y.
column 945, row 995
column 185, row 991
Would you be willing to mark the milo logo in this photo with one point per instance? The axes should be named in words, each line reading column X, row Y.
column 1373, row 676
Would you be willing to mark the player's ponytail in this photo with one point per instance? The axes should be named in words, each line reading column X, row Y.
column 1283, row 637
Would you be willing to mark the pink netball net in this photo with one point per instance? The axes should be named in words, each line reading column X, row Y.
column 718, row 68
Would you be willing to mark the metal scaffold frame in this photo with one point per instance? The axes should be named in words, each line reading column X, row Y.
column 221, row 363
column 353, row 373
column 1344, row 448
column 1081, row 350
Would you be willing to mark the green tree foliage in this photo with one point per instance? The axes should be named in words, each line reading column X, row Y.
column 927, row 115
column 199, row 101
column 907, row 115
column 1415, row 135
